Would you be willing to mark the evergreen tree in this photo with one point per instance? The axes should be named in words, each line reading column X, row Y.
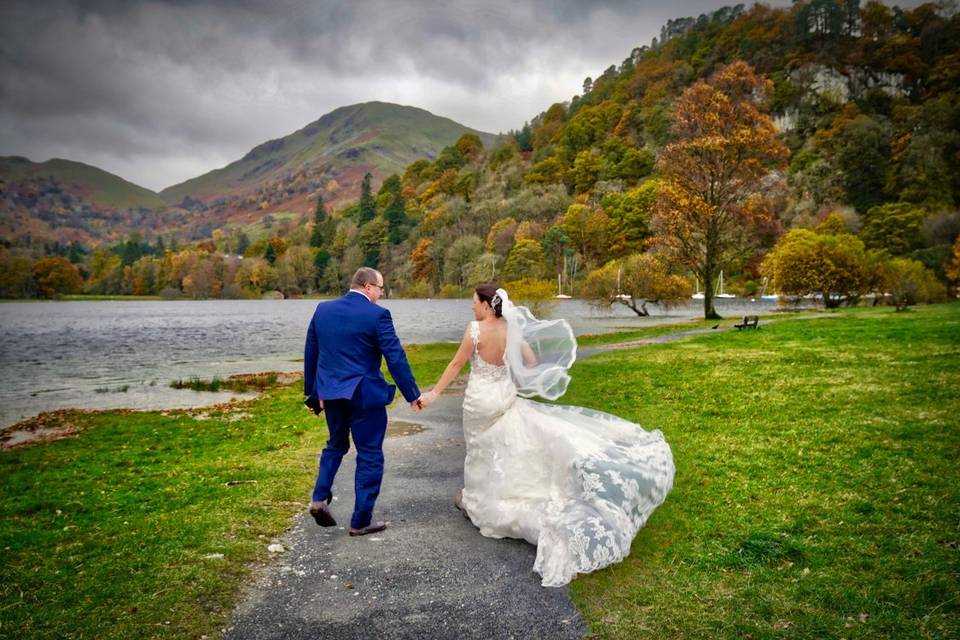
column 368, row 206
column 394, row 208
column 524, row 137
column 270, row 254
column 320, row 217
column 243, row 243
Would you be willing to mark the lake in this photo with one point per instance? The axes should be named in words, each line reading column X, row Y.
column 124, row 354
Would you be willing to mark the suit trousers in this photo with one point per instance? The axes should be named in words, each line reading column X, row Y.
column 367, row 427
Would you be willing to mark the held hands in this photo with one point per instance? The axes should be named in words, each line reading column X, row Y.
column 427, row 399
column 423, row 401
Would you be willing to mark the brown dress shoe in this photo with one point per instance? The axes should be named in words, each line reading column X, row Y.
column 373, row 527
column 321, row 514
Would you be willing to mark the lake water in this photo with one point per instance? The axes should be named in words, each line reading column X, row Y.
column 118, row 354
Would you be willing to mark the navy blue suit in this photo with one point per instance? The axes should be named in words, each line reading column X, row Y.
column 341, row 366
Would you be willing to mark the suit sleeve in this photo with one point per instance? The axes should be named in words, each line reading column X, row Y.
column 311, row 352
column 396, row 358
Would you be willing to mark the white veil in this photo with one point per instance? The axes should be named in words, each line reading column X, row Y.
column 539, row 352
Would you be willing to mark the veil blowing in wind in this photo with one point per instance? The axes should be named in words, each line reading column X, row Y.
column 551, row 344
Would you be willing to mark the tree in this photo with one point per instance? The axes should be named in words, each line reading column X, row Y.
column 501, row 235
column 16, row 276
column 459, row 258
column 270, row 254
column 470, row 146
column 589, row 231
column 635, row 281
column 106, row 273
column 555, row 243
column 629, row 213
column 422, row 260
column 131, row 250
column 525, row 261
column 323, row 226
column 450, row 158
column 256, row 275
column 863, row 149
column 536, row 295
column 952, row 270
column 393, row 204
column 711, row 193
column 243, row 242
column 894, row 227
column 586, row 170
column 298, row 270
column 524, row 137
column 56, row 276
column 483, row 269
column 805, row 262
column 923, row 174
column 909, row 282
column 372, row 240
column 368, row 206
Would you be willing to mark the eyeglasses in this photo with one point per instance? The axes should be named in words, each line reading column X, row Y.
column 374, row 284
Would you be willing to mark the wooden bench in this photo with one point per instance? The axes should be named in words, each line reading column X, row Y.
column 749, row 322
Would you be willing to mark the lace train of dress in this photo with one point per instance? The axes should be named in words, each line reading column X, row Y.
column 576, row 482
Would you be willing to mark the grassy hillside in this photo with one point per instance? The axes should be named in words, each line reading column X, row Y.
column 87, row 182
column 379, row 135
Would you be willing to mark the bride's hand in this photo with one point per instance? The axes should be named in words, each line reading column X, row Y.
column 427, row 398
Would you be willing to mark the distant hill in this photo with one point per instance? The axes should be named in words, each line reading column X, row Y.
column 65, row 201
column 329, row 155
column 69, row 201
column 94, row 185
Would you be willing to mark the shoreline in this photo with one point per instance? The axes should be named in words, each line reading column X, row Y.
column 590, row 344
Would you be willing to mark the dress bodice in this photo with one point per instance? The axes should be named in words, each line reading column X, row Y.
column 480, row 367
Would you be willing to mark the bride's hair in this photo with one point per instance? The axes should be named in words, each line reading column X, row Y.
column 488, row 293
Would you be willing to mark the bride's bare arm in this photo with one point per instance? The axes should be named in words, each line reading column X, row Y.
column 529, row 357
column 456, row 364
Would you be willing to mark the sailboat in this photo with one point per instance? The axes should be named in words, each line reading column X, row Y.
column 722, row 294
column 763, row 291
column 699, row 294
column 621, row 296
column 560, row 294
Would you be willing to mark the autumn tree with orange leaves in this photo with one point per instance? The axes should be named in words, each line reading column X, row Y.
column 712, row 196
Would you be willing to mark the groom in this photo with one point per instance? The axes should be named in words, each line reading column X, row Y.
column 341, row 375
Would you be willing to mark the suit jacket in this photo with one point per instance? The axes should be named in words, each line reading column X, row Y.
column 345, row 342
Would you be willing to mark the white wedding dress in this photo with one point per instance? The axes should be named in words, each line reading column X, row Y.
column 575, row 482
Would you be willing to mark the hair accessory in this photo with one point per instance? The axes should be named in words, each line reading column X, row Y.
column 496, row 300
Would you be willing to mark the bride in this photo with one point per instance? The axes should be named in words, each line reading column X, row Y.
column 575, row 482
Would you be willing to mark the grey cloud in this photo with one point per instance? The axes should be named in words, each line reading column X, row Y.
column 156, row 90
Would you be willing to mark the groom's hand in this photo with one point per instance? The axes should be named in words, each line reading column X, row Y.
column 314, row 404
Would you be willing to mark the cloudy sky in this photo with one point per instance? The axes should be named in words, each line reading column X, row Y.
column 162, row 91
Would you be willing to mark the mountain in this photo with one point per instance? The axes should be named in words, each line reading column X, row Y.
column 330, row 155
column 68, row 201
column 94, row 185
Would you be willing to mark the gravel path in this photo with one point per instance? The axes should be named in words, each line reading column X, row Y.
column 429, row 575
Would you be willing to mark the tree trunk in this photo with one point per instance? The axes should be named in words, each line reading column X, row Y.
column 709, row 310
column 642, row 311
column 709, row 270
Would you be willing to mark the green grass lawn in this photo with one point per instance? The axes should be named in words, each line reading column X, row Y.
column 816, row 493
column 817, row 490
